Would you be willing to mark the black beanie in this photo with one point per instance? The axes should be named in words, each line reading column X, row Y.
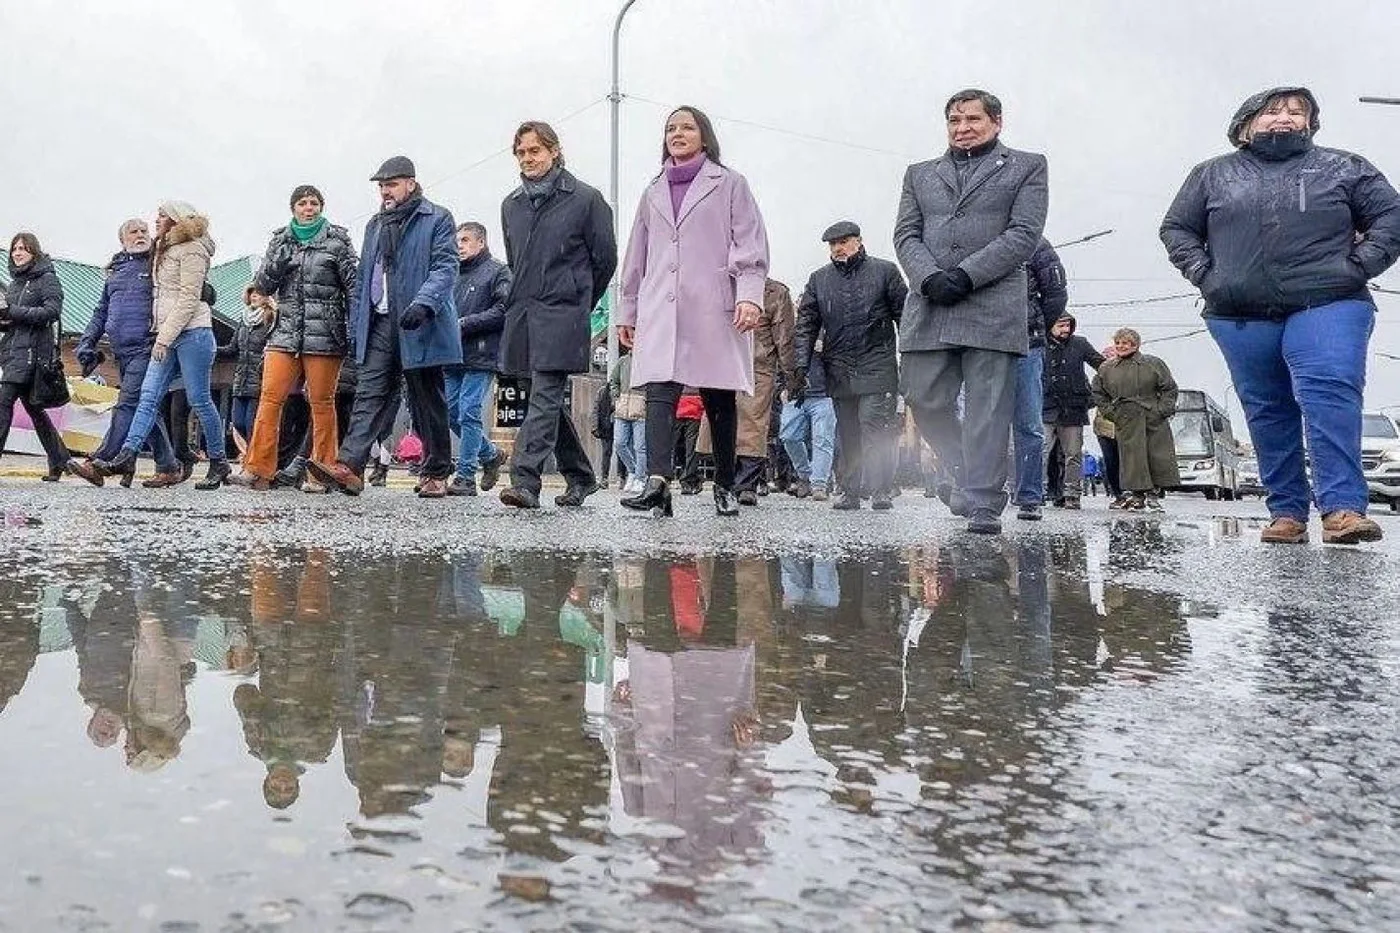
column 302, row 191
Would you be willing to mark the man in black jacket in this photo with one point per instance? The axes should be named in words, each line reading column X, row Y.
column 1067, row 401
column 483, row 287
column 1045, row 281
column 855, row 304
column 558, row 231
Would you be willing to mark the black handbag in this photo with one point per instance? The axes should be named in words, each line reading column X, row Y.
column 50, row 388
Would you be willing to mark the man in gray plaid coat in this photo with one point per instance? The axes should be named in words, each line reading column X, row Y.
column 968, row 222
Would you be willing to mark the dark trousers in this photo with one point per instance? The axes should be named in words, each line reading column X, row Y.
column 132, row 372
column 972, row 449
column 684, row 437
column 722, row 411
column 865, row 425
column 1109, row 446
column 377, row 400
column 48, row 435
column 175, row 412
column 548, row 429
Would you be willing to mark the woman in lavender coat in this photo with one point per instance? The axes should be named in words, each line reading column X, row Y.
column 692, row 290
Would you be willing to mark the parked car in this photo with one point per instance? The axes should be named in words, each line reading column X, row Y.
column 1380, row 457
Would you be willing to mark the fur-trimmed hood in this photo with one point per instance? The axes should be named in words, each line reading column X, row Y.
column 191, row 229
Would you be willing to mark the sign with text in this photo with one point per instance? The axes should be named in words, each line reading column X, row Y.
column 511, row 398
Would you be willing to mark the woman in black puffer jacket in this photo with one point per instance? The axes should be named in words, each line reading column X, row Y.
column 304, row 289
column 29, row 316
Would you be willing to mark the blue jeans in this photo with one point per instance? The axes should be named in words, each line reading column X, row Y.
column 132, row 369
column 191, row 357
column 466, row 395
column 1027, row 432
column 1306, row 372
column 242, row 416
column 630, row 445
column 818, row 415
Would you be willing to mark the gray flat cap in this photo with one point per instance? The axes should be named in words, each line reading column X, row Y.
column 839, row 231
column 397, row 167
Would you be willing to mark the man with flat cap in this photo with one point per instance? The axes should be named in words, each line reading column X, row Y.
column 848, row 316
column 403, row 325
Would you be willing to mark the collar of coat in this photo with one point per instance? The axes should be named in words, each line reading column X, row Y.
column 986, row 167
column 704, row 185
column 567, row 185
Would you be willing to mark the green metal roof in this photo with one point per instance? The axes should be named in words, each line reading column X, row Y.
column 82, row 289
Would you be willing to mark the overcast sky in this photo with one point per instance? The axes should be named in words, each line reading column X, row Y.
column 231, row 103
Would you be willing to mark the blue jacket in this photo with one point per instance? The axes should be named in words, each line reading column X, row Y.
column 425, row 274
column 123, row 313
column 483, row 286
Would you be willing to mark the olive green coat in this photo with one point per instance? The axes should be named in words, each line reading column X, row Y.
column 1138, row 395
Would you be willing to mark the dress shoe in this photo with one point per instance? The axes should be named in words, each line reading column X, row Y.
column 249, row 481
column 690, row 489
column 518, row 498
column 748, row 497
column 128, row 477
column 574, row 495
column 461, row 486
column 491, row 471
column 290, row 476
column 124, row 461
column 54, row 475
column 83, row 469
column 337, row 476
column 655, row 497
column 882, row 502
column 433, row 488
column 726, row 503
column 984, row 522
column 219, row 472
column 1029, row 513
column 847, row 503
column 164, row 480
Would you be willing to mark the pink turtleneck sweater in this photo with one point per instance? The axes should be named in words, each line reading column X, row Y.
column 679, row 176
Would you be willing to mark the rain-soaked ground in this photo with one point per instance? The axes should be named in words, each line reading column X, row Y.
column 231, row 712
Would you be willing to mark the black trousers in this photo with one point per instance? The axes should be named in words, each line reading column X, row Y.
column 54, row 449
column 720, row 409
column 377, row 402
column 865, row 425
column 548, row 429
column 1109, row 446
column 684, row 438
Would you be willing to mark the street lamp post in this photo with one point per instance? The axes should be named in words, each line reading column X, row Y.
column 615, row 101
column 1390, row 101
column 1084, row 239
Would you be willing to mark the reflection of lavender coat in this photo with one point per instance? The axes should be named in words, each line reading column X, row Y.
column 682, row 279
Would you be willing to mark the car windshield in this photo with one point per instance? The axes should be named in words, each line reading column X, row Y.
column 1191, row 433
column 1378, row 426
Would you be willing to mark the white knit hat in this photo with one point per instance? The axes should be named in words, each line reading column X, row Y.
column 178, row 210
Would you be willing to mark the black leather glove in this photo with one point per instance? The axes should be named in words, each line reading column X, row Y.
column 947, row 288
column 87, row 359
column 415, row 317
column 797, row 387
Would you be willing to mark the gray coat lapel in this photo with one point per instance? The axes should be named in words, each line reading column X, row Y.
column 994, row 162
column 944, row 169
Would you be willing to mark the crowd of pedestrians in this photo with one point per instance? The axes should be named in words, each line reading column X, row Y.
column 968, row 335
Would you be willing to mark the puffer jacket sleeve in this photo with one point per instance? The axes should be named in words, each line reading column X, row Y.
column 48, row 309
column 896, row 292
column 436, row 290
column 273, row 271
column 493, row 317
column 191, row 272
column 97, row 326
column 1183, row 230
column 1014, row 245
column 1049, row 274
column 748, row 245
column 1375, row 208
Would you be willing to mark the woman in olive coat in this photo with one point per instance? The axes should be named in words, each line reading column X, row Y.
column 1137, row 393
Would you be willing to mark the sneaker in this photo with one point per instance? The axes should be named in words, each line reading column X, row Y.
column 984, row 522
column 461, row 486
column 1346, row 527
column 1285, row 530
column 491, row 470
column 432, row 488
column 249, row 481
column 819, row 493
column 1029, row 513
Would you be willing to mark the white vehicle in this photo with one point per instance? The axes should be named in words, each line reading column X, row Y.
column 1206, row 453
column 1380, row 457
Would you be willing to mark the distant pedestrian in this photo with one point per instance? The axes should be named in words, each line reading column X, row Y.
column 847, row 322
column 808, row 431
column 629, row 423
column 772, row 355
column 1047, row 296
column 29, row 323
column 403, row 328
column 246, row 350
column 562, row 252
column 692, row 292
column 968, row 222
column 1105, row 434
column 1282, row 236
column 1137, row 393
column 1066, row 403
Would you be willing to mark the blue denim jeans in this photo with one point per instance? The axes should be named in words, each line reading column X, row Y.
column 1027, row 431
column 1304, row 373
column 466, row 396
column 132, row 369
column 242, row 415
column 191, row 357
column 630, row 445
column 819, row 416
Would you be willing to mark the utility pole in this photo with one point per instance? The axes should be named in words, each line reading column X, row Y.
column 615, row 102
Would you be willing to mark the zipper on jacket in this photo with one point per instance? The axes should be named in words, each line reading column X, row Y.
column 1302, row 194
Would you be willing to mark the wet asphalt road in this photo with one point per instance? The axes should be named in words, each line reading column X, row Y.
column 233, row 711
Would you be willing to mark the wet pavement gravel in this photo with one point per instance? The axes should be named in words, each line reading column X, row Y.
column 236, row 711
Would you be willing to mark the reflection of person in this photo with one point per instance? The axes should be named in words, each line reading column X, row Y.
column 1281, row 237
column 19, row 647
column 29, row 318
column 1137, row 393
column 692, row 289
column 105, row 640
column 161, row 666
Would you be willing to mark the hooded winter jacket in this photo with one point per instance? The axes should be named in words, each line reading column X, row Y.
column 1045, row 278
column 483, row 287
column 1282, row 224
column 181, row 262
column 1067, row 397
column 123, row 313
column 312, row 282
column 27, row 326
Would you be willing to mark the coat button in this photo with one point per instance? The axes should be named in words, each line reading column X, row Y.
column 670, row 297
column 675, row 238
column 957, row 213
column 955, row 247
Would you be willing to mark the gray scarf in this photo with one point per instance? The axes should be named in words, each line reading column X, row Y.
column 542, row 189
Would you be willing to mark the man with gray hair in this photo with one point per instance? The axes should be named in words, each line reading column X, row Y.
column 968, row 221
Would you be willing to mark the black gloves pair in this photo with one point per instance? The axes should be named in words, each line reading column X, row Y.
column 797, row 386
column 947, row 288
column 415, row 317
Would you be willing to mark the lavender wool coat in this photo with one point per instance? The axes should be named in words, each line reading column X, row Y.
column 681, row 281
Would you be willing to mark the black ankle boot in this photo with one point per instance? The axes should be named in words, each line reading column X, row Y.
column 54, row 475
column 124, row 462
column 219, row 470
column 655, row 495
column 725, row 501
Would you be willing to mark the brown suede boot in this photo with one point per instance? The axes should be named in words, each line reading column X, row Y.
column 1347, row 527
column 1285, row 530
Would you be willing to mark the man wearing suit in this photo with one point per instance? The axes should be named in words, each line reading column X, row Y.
column 968, row 222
